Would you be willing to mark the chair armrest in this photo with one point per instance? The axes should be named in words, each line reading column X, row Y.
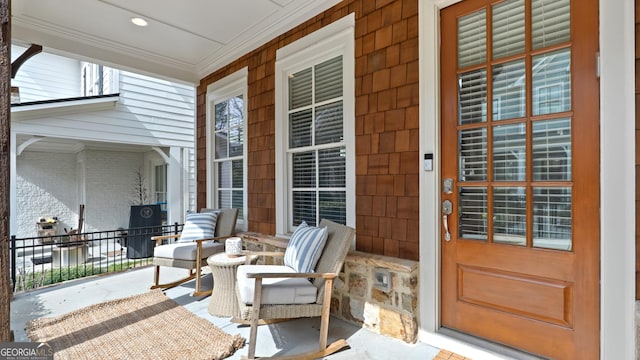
column 212, row 239
column 291, row 275
column 158, row 239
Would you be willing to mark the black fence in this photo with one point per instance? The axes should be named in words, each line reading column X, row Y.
column 45, row 260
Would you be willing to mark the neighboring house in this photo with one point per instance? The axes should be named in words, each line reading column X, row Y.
column 108, row 139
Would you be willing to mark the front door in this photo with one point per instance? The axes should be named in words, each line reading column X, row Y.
column 520, row 174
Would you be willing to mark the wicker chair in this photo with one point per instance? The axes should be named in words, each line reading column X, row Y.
column 261, row 310
column 193, row 255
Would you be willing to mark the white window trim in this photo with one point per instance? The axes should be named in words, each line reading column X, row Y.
column 330, row 41
column 230, row 85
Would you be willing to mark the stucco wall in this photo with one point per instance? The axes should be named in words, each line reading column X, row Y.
column 387, row 126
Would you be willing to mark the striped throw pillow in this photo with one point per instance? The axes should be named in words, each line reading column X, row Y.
column 199, row 226
column 305, row 247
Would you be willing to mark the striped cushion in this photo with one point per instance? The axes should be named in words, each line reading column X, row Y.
column 199, row 226
column 305, row 247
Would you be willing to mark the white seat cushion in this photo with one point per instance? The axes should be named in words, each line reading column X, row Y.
column 275, row 291
column 187, row 250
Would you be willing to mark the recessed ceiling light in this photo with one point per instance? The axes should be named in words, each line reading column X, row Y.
column 139, row 21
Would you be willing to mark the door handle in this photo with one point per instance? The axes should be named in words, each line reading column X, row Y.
column 447, row 208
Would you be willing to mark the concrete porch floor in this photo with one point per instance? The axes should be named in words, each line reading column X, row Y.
column 289, row 337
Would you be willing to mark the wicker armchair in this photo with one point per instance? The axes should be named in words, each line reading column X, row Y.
column 271, row 282
column 193, row 255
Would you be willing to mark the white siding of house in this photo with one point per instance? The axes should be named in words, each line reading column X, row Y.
column 148, row 113
column 37, row 81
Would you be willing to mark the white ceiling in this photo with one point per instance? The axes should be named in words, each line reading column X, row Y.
column 185, row 40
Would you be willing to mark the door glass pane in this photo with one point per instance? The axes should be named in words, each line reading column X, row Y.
column 552, row 82
column 472, row 39
column 509, row 152
column 552, row 150
column 508, row 28
column 473, row 155
column 509, row 215
column 333, row 206
column 329, row 123
column 473, row 213
column 472, row 97
column 552, row 218
column 509, row 90
column 551, row 22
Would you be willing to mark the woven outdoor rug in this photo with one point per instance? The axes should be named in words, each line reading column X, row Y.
column 146, row 326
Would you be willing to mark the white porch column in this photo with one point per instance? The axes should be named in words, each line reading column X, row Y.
column 175, row 189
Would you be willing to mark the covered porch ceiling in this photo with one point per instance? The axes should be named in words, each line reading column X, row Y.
column 183, row 40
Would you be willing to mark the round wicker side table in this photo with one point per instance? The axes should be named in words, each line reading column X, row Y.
column 223, row 299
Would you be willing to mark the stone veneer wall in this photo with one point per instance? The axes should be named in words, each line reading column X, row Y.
column 355, row 298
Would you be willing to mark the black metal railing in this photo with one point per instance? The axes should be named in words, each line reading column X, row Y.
column 45, row 260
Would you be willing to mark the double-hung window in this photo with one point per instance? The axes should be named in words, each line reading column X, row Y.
column 227, row 147
column 315, row 131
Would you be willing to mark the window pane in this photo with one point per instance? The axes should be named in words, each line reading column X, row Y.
column 237, row 174
column 473, row 155
column 472, row 39
column 300, row 129
column 329, row 123
column 331, row 168
column 224, row 198
column 552, row 82
column 473, row 213
column 329, row 79
column 509, row 152
column 221, row 142
column 552, row 218
column 238, row 202
column 508, row 28
column 236, row 135
column 509, row 90
column 221, row 115
column 552, row 150
column 510, row 215
column 236, row 110
column 224, row 174
column 304, row 207
column 472, row 93
column 300, row 93
column 333, row 206
column 304, row 170
column 551, row 22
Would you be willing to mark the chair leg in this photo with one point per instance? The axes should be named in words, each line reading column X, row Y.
column 156, row 276
column 326, row 312
column 255, row 317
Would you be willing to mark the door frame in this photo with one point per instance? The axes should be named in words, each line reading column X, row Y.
column 617, row 106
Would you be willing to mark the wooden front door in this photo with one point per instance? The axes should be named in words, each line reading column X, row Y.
column 520, row 174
